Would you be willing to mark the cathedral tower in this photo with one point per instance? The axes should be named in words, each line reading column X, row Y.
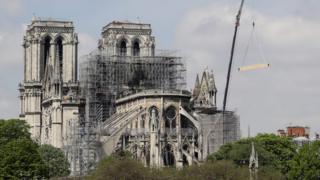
column 127, row 39
column 48, row 91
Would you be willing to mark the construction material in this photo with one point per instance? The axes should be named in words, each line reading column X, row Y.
column 254, row 39
column 253, row 67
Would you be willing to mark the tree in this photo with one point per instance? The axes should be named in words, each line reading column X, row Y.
column 306, row 163
column 274, row 151
column 281, row 148
column 125, row 167
column 13, row 129
column 55, row 160
column 119, row 166
column 19, row 159
column 214, row 170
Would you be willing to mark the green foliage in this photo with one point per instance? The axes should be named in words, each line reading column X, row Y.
column 55, row 160
column 274, row 151
column 306, row 163
column 119, row 167
column 214, row 170
column 125, row 167
column 282, row 150
column 270, row 173
column 20, row 159
column 237, row 152
column 122, row 155
column 13, row 129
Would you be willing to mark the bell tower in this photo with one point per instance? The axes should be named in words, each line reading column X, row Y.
column 124, row 38
column 49, row 89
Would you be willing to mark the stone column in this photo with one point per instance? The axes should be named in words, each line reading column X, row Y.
column 66, row 62
column 38, row 56
column 129, row 50
column 75, row 64
column 52, row 57
column 113, row 49
column 25, row 58
column 27, row 62
column 179, row 160
column 154, row 151
column 57, row 127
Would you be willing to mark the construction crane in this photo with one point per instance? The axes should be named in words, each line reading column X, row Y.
column 237, row 24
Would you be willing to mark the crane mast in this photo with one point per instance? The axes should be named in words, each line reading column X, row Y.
column 237, row 24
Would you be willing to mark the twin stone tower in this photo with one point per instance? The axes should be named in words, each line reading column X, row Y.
column 49, row 93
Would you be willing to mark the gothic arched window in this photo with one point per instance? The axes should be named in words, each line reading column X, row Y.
column 46, row 54
column 123, row 48
column 168, row 155
column 59, row 55
column 136, row 49
column 170, row 115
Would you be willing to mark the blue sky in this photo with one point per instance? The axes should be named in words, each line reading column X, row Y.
column 286, row 94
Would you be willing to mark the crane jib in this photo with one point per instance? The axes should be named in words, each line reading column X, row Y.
column 231, row 56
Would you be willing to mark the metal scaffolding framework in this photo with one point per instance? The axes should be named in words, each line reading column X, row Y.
column 83, row 146
column 103, row 78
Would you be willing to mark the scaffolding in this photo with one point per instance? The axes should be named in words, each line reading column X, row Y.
column 231, row 127
column 83, row 147
column 218, row 130
column 103, row 78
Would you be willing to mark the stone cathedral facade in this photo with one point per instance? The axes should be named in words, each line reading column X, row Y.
column 48, row 93
column 128, row 98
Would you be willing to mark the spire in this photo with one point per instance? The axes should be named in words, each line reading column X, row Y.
column 196, row 89
column 253, row 163
column 197, row 84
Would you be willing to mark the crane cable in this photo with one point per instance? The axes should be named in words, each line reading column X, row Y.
column 264, row 64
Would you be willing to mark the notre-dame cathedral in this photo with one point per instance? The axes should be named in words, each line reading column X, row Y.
column 127, row 96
